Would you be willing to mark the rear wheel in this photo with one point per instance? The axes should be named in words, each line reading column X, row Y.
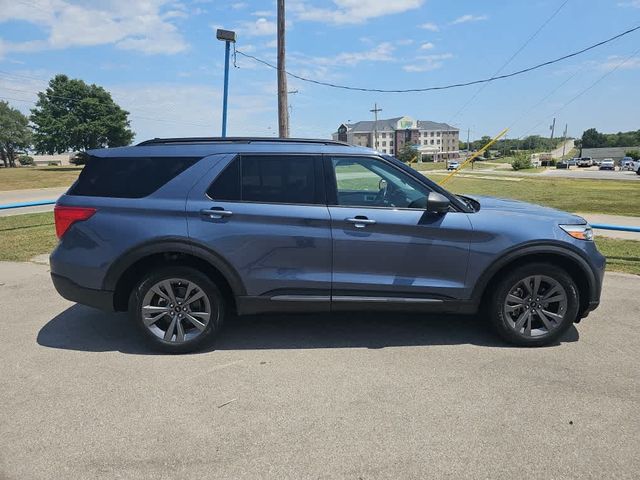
column 178, row 309
column 534, row 305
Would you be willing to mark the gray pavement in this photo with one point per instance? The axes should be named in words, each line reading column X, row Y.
column 318, row 396
column 29, row 195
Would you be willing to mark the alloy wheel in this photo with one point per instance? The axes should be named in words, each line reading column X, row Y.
column 176, row 310
column 535, row 306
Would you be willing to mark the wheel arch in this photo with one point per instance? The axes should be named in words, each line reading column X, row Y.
column 128, row 269
column 568, row 259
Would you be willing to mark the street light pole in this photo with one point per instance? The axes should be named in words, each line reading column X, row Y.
column 227, row 36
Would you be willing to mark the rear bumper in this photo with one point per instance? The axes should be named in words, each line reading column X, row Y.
column 101, row 299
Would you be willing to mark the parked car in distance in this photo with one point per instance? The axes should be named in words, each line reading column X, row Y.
column 627, row 164
column 607, row 164
column 185, row 233
column 572, row 162
column 562, row 164
column 585, row 162
column 453, row 165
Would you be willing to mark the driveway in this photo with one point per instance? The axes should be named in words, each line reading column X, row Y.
column 314, row 396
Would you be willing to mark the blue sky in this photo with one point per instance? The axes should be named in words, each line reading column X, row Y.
column 161, row 61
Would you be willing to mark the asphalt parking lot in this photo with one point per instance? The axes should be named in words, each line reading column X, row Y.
column 319, row 396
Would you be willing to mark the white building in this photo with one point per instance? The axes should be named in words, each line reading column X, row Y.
column 435, row 141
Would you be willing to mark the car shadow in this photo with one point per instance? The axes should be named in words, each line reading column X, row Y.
column 86, row 329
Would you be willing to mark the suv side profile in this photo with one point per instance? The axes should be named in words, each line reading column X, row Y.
column 184, row 232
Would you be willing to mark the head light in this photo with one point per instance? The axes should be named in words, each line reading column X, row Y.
column 581, row 232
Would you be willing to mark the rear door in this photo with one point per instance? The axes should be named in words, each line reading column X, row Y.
column 384, row 243
column 266, row 215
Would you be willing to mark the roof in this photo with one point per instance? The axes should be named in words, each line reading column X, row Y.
column 389, row 125
column 429, row 125
column 201, row 147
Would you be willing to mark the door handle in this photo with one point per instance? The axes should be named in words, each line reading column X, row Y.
column 360, row 221
column 216, row 213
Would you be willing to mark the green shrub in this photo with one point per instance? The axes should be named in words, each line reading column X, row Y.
column 25, row 160
column 635, row 154
column 521, row 162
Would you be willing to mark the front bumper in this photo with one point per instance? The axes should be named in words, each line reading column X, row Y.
column 101, row 299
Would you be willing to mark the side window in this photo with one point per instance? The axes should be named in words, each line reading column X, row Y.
column 371, row 182
column 269, row 179
column 128, row 177
column 227, row 185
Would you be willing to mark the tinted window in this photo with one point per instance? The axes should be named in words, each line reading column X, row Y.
column 227, row 185
column 269, row 179
column 127, row 177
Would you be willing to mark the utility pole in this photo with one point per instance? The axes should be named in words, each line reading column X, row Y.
column 375, row 124
column 553, row 127
column 564, row 139
column 468, row 146
column 283, row 111
column 290, row 92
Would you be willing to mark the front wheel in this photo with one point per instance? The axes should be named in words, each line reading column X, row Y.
column 534, row 305
column 178, row 309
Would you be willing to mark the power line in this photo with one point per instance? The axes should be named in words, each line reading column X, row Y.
column 514, row 55
column 582, row 92
column 446, row 87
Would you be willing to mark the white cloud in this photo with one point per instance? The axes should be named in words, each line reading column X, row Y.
column 427, row 63
column 632, row 3
column 432, row 27
column 239, row 5
column 616, row 61
column 352, row 11
column 469, row 18
column 380, row 53
column 147, row 26
column 427, row 46
column 260, row 28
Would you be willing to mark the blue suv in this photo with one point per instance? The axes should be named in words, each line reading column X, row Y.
column 183, row 232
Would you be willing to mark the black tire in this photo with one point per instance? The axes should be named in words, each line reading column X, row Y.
column 212, row 293
column 501, row 320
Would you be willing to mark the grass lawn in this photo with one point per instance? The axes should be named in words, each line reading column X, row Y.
column 22, row 237
column 21, row 178
column 571, row 194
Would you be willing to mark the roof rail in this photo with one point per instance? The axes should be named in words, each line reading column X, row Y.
column 191, row 140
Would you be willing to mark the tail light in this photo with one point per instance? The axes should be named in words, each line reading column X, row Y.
column 67, row 216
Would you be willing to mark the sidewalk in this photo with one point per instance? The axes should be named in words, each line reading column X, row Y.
column 30, row 195
column 614, row 220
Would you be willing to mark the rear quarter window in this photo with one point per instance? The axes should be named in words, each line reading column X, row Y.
column 128, row 177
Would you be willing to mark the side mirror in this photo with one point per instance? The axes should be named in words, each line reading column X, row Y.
column 437, row 203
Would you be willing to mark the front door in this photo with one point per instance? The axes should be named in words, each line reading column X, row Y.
column 384, row 243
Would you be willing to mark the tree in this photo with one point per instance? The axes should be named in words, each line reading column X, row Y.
column 71, row 115
column 408, row 153
column 14, row 133
column 635, row 154
column 591, row 138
